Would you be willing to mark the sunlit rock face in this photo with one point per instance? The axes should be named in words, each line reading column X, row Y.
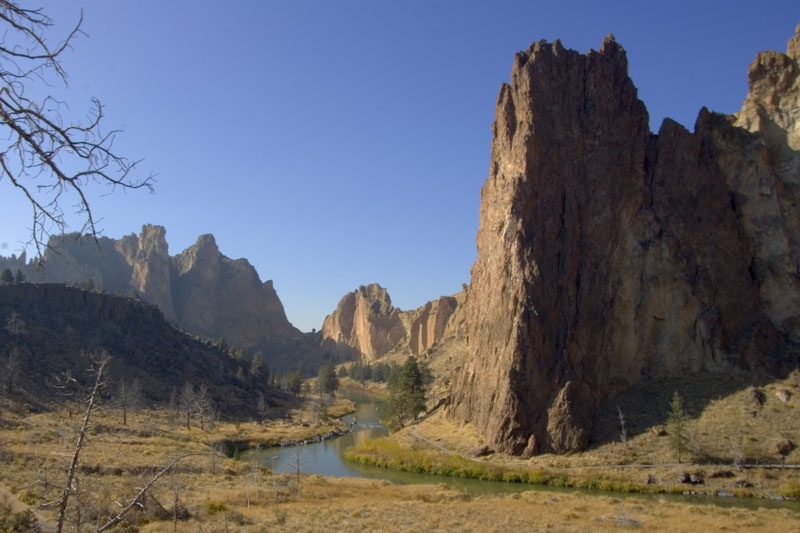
column 366, row 326
column 608, row 255
column 200, row 289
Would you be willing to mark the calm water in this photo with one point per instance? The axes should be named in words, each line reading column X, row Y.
column 326, row 457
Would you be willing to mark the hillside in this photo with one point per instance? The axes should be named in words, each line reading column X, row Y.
column 50, row 331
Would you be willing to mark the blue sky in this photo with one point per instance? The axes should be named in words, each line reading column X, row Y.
column 340, row 143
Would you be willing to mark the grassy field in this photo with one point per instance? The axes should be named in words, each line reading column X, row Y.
column 734, row 429
column 208, row 491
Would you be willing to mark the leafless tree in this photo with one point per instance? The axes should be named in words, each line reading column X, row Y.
column 297, row 466
column 113, row 521
column 202, row 404
column 13, row 369
column 187, row 402
column 15, row 325
column 69, row 484
column 128, row 398
column 262, row 406
column 51, row 159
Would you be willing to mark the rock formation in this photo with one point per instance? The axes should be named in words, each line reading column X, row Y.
column 150, row 263
column 608, row 255
column 366, row 326
column 200, row 289
column 225, row 297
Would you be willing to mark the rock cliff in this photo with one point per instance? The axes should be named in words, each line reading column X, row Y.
column 608, row 256
column 200, row 289
column 366, row 326
column 225, row 297
column 149, row 259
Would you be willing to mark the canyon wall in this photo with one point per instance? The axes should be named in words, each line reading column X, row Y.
column 608, row 255
column 366, row 326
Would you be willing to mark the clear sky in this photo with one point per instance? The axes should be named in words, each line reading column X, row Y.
column 341, row 143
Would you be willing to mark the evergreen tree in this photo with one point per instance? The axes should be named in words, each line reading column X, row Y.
column 406, row 395
column 327, row 379
column 676, row 422
column 294, row 382
column 259, row 371
column 7, row 276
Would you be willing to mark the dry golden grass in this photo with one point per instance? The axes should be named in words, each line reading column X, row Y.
column 35, row 450
column 330, row 504
column 222, row 494
column 727, row 426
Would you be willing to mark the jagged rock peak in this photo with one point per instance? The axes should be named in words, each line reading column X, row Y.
column 793, row 46
column 153, row 238
column 607, row 255
column 151, row 276
column 366, row 326
column 365, row 323
column 206, row 240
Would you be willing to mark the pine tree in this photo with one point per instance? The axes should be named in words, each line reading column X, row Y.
column 327, row 379
column 676, row 422
column 406, row 395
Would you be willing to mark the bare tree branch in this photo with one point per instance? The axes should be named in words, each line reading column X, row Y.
column 113, row 521
column 47, row 159
column 102, row 362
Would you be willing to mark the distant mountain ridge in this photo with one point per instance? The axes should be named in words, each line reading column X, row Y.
column 366, row 326
column 200, row 290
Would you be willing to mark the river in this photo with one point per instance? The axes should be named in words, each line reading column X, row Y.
column 327, row 458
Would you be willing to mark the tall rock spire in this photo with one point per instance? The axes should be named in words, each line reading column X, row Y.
column 606, row 255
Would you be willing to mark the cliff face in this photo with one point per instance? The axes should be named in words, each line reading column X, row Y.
column 225, row 297
column 366, row 326
column 608, row 255
column 200, row 289
column 150, row 263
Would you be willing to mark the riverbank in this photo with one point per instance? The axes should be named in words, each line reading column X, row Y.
column 317, row 420
column 207, row 491
column 742, row 444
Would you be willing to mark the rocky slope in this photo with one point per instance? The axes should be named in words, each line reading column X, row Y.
column 49, row 330
column 366, row 326
column 609, row 256
column 200, row 289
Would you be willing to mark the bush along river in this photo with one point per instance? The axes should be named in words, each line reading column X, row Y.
column 326, row 457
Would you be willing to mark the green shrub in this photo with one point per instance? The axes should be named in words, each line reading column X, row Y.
column 791, row 489
column 237, row 518
column 215, row 507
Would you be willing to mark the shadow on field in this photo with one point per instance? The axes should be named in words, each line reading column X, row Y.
column 647, row 406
